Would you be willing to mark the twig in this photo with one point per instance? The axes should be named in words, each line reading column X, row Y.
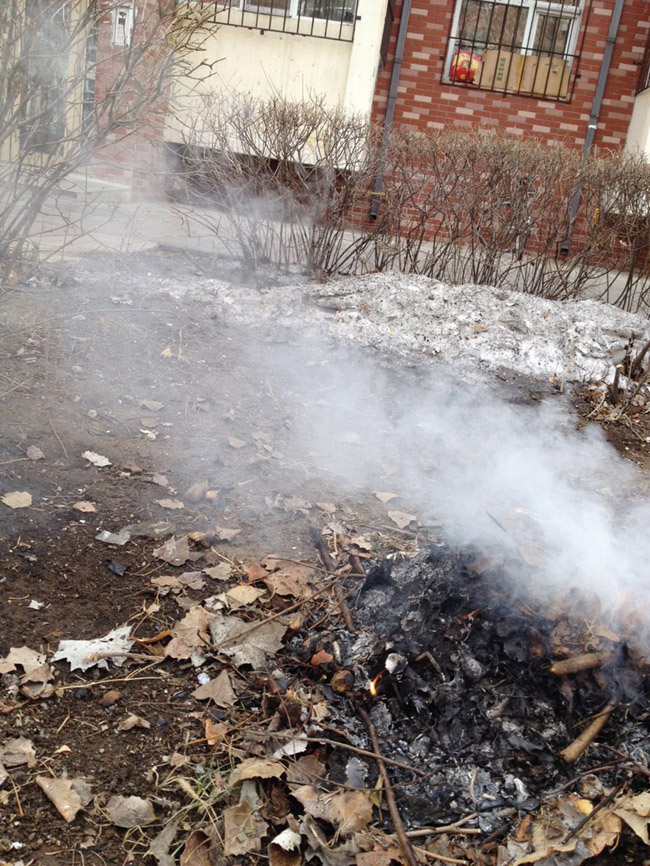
column 636, row 764
column 604, row 802
column 330, row 565
column 59, row 440
column 347, row 746
column 15, row 460
column 405, row 845
column 15, row 388
column 575, row 749
column 431, row 855
column 575, row 664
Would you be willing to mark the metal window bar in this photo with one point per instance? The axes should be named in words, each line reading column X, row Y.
column 529, row 49
column 322, row 19
column 644, row 74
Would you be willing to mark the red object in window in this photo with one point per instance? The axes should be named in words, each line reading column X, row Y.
column 465, row 66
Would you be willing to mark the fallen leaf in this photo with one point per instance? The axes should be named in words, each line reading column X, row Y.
column 110, row 697
column 17, row 499
column 62, row 794
column 160, row 480
column 119, row 538
column 35, row 453
column 166, row 353
column 214, row 733
column 160, row 845
column 284, row 849
column 129, row 811
column 27, row 658
column 197, row 850
column 253, row 647
column 96, row 459
column 306, row 770
column 35, row 683
column 36, row 605
column 151, row 405
column 171, row 504
column 197, row 491
column 177, row 648
column 291, row 748
column 85, row 507
column 133, row 721
column 18, row 751
column 226, row 533
column 289, row 578
column 256, row 768
column 175, row 551
column 218, row 690
column 254, row 573
column 243, row 830
column 4, row 775
column 193, row 627
column 385, row 496
column 84, row 654
column 219, row 572
column 401, row 518
column 348, row 811
column 236, row 443
column 239, row 596
column 322, row 657
column 635, row 811
column 132, row 466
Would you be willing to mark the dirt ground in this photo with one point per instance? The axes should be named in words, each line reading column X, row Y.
column 109, row 361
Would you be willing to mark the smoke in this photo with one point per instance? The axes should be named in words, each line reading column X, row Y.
column 517, row 480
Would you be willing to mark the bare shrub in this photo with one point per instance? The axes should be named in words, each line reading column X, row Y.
column 279, row 179
column 51, row 121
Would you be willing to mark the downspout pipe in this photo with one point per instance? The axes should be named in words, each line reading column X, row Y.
column 594, row 114
column 390, row 106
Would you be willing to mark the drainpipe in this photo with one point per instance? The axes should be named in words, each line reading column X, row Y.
column 594, row 115
column 390, row 106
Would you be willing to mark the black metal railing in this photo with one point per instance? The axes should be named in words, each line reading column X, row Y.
column 644, row 75
column 323, row 19
column 528, row 49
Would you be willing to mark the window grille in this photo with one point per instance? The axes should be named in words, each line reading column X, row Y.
column 644, row 76
column 525, row 47
column 325, row 19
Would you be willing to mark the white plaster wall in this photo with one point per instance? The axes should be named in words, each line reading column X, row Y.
column 290, row 65
column 638, row 135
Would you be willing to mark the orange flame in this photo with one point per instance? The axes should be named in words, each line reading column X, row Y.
column 372, row 685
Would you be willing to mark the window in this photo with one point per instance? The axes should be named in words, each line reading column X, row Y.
column 122, row 25
column 519, row 46
column 323, row 18
column 644, row 75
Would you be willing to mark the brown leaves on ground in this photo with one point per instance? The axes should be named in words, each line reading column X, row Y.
column 347, row 811
column 243, row 830
column 69, row 796
column 218, row 690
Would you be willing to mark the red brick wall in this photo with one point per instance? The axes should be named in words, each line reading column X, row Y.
column 131, row 154
column 425, row 102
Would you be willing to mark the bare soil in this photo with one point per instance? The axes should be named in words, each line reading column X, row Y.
column 109, row 361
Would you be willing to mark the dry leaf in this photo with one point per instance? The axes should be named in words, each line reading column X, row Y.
column 384, row 496
column 253, row 647
column 197, row 850
column 62, row 794
column 219, row 572
column 17, row 499
column 27, row 658
column 306, row 770
column 35, row 453
column 197, row 491
column 175, row 551
column 160, row 845
column 152, row 405
column 219, row 690
column 226, row 533
column 18, row 751
column 348, row 811
column 214, row 733
column 166, row 353
column 284, row 850
column 96, row 459
column 236, row 443
column 84, row 654
column 243, row 830
column 177, row 648
column 129, row 811
column 256, row 768
column 289, row 578
column 85, row 507
column 255, row 573
column 132, row 721
column 160, row 480
column 401, row 518
column 171, row 504
column 635, row 811
column 110, row 697
column 193, row 628
column 322, row 657
column 239, row 596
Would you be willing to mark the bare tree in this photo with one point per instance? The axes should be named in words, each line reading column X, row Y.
column 60, row 105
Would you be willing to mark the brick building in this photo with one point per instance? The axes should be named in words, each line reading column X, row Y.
column 527, row 68
column 573, row 71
